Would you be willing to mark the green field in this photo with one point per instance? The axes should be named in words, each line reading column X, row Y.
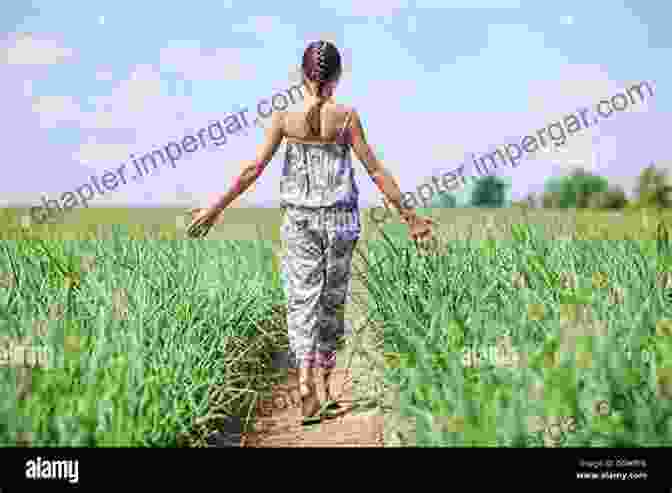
column 153, row 339
column 583, row 317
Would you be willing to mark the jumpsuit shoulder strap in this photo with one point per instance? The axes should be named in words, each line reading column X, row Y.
column 346, row 123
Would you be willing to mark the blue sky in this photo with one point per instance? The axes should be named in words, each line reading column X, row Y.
column 87, row 84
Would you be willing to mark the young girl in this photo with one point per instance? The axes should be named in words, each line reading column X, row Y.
column 321, row 223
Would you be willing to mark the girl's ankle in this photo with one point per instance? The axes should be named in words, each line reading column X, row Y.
column 305, row 375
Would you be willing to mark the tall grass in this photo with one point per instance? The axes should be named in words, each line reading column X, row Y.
column 155, row 341
column 594, row 354
column 151, row 341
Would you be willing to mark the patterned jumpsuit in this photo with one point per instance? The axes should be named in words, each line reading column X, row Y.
column 320, row 229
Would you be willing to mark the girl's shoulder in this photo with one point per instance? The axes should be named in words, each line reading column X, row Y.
column 331, row 106
column 343, row 113
column 344, row 108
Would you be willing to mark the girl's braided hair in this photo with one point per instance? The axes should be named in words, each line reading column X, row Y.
column 322, row 65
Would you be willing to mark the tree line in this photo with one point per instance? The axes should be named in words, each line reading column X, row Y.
column 580, row 189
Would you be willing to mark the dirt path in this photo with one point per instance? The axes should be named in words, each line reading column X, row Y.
column 353, row 427
column 278, row 422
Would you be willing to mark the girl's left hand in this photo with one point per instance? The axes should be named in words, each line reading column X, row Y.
column 202, row 222
column 420, row 228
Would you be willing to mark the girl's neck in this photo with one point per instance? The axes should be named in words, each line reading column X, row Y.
column 310, row 100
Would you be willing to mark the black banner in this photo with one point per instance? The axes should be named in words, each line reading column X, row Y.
column 34, row 469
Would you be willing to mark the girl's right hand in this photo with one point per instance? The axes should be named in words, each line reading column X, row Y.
column 202, row 222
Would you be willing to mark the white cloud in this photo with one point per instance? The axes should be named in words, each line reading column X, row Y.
column 578, row 152
column 567, row 19
column 92, row 154
column 137, row 103
column 104, row 75
column 578, row 81
column 194, row 63
column 28, row 50
column 387, row 9
column 364, row 9
column 468, row 4
column 53, row 110
column 28, row 88
column 261, row 24
column 454, row 153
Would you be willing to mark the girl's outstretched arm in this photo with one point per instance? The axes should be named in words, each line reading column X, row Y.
column 252, row 170
column 419, row 228
column 380, row 176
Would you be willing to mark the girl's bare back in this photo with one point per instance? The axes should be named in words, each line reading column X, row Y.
column 332, row 116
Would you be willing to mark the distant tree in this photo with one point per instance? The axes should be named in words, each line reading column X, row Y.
column 550, row 200
column 532, row 200
column 574, row 190
column 444, row 200
column 613, row 198
column 653, row 189
column 489, row 191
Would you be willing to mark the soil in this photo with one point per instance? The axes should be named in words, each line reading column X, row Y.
column 279, row 424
